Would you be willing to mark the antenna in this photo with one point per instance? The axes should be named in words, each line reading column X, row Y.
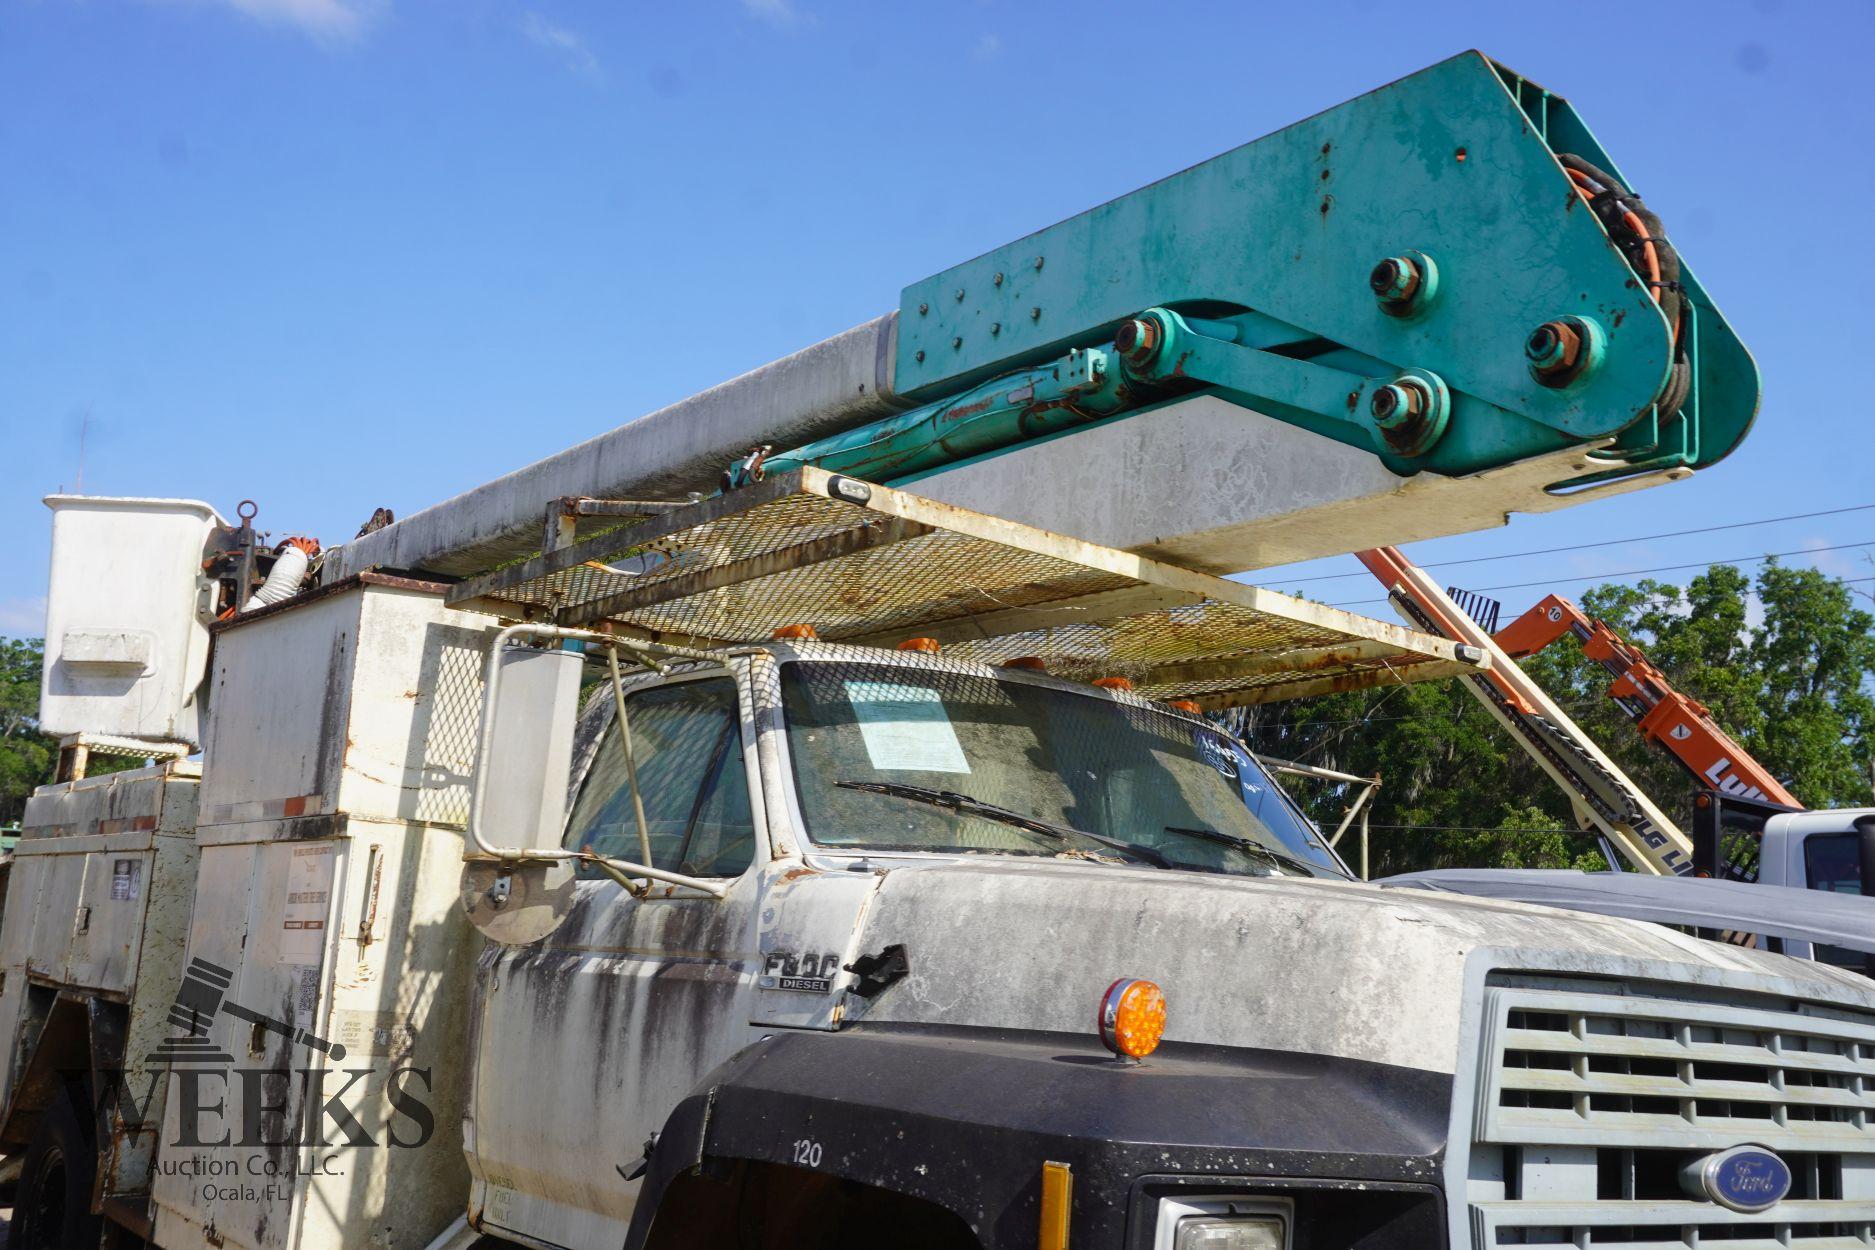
column 84, row 429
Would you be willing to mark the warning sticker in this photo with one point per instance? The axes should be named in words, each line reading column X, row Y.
column 308, row 900
column 906, row 728
column 374, row 1033
column 126, row 880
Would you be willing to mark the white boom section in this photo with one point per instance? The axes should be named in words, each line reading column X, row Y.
column 1201, row 482
column 834, row 385
column 1605, row 798
column 1213, row 486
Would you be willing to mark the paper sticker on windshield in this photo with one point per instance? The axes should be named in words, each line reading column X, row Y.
column 906, row 728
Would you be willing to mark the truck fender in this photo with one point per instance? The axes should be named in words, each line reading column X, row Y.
column 735, row 1118
column 960, row 1120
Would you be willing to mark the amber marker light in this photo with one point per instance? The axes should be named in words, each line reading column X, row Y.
column 1131, row 1018
column 927, row 645
column 1114, row 683
column 1057, row 1205
column 796, row 631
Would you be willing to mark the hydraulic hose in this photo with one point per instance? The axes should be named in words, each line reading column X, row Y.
column 290, row 563
column 1637, row 231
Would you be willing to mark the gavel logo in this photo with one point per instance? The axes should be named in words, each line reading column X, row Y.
column 204, row 995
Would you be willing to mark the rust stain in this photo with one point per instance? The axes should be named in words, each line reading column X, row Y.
column 967, row 411
column 1329, row 660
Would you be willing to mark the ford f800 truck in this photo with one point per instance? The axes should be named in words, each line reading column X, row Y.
column 684, row 843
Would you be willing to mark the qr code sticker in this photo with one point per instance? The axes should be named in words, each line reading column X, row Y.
column 308, row 1001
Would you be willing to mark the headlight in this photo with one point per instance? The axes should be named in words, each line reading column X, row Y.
column 1225, row 1232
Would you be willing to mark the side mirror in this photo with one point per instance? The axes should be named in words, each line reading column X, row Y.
column 519, row 799
column 527, row 748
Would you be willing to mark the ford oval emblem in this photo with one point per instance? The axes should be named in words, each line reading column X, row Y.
column 1747, row 1179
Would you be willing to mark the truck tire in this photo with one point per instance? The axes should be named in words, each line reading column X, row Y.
column 52, row 1208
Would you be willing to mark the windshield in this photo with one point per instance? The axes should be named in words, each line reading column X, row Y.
column 888, row 757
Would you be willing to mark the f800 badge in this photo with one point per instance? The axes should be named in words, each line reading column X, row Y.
column 809, row 973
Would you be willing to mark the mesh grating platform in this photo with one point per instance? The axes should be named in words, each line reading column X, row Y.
column 867, row 564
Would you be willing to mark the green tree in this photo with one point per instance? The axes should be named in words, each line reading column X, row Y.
column 26, row 755
column 1789, row 676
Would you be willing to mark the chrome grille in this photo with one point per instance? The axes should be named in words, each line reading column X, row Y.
column 1590, row 1102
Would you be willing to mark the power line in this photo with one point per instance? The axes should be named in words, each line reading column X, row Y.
column 1481, row 829
column 1609, row 542
column 1464, row 711
column 1373, row 707
column 1664, row 568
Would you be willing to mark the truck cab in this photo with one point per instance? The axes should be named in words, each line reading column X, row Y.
column 798, row 777
column 895, row 886
column 1827, row 850
column 1754, row 839
column 1820, row 850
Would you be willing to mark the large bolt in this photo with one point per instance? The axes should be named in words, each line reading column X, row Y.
column 1405, row 284
column 1394, row 280
column 1552, row 345
column 1562, row 350
column 1410, row 413
column 1137, row 340
column 1397, row 403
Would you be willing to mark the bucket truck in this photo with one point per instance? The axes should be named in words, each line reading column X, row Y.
column 789, row 819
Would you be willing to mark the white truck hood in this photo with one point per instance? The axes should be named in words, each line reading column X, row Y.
column 1294, row 964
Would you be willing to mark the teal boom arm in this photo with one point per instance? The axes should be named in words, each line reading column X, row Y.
column 1424, row 272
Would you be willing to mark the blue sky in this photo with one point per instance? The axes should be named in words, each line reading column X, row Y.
column 332, row 254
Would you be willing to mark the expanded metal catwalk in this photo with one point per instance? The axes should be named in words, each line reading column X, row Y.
column 867, row 564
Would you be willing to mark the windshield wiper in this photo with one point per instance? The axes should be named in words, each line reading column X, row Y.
column 1255, row 849
column 963, row 804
